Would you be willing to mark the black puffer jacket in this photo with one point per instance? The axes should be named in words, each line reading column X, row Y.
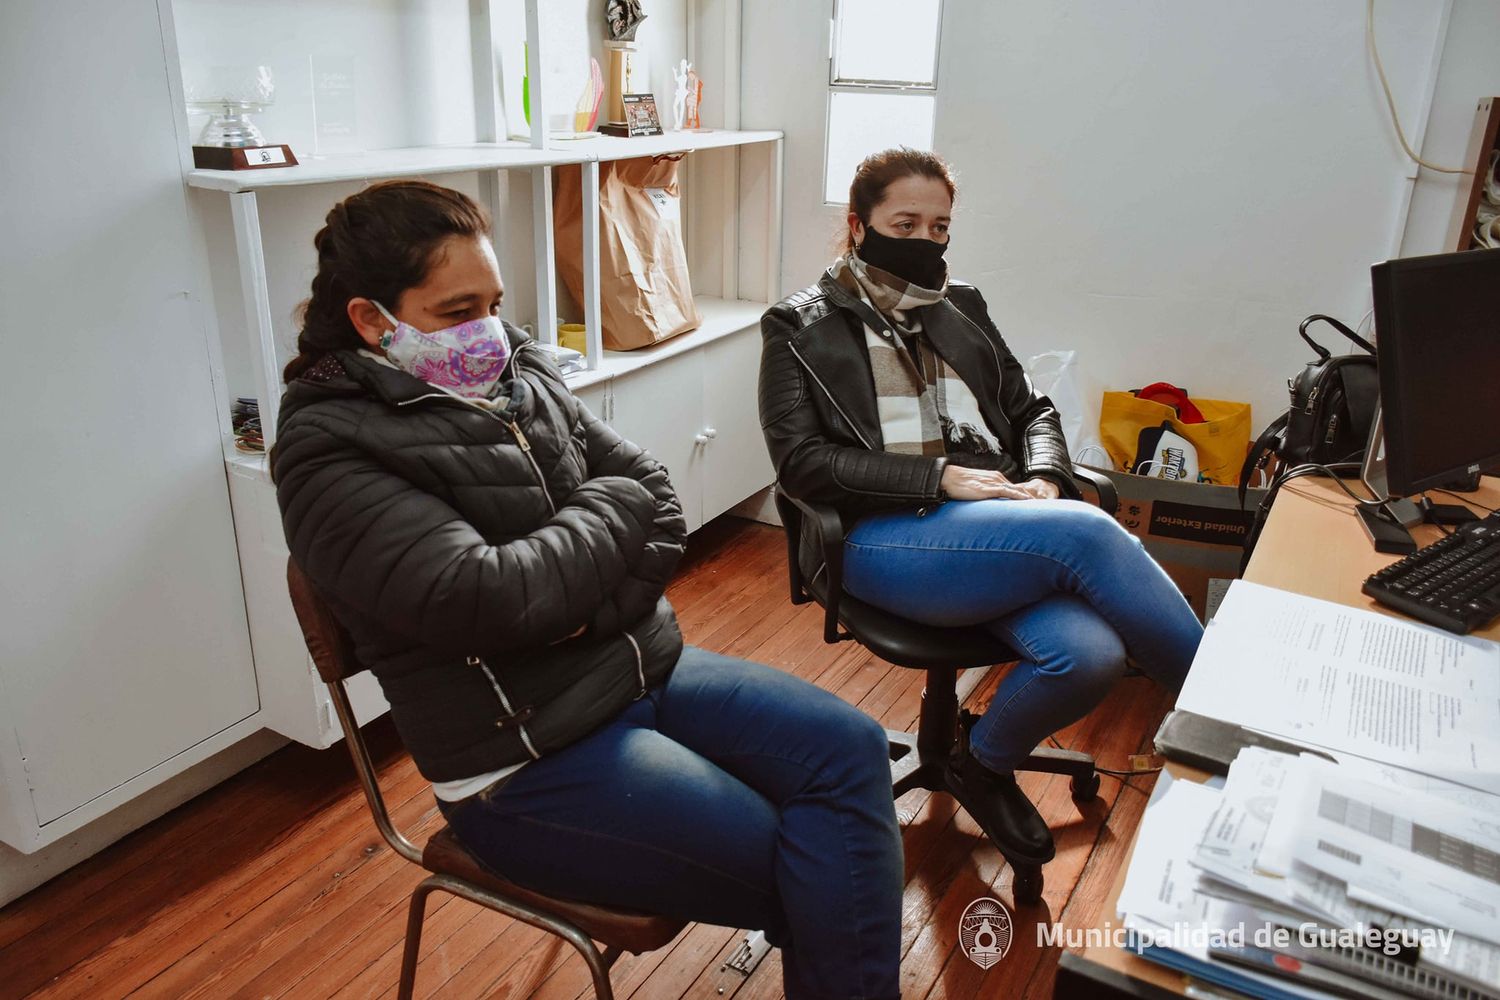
column 819, row 413
column 463, row 548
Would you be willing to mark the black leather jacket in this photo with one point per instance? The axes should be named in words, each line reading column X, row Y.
column 818, row 407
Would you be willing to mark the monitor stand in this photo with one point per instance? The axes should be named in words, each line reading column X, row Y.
column 1385, row 531
column 1386, row 525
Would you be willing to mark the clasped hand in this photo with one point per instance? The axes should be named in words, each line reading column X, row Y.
column 961, row 483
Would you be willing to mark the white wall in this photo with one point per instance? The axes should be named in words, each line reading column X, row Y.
column 1166, row 186
column 410, row 60
column 1470, row 70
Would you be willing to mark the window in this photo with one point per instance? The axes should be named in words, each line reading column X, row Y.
column 883, row 83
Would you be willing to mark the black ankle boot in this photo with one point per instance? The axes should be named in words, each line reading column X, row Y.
column 998, row 805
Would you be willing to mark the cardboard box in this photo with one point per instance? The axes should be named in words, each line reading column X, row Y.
column 1196, row 531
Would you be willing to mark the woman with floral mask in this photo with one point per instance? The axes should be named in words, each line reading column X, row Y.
column 499, row 556
column 887, row 391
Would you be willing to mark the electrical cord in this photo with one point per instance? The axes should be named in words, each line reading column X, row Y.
column 1123, row 776
column 1424, row 503
column 1463, row 499
column 1390, row 101
column 1315, row 469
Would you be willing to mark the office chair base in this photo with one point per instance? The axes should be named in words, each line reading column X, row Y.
column 908, row 769
column 1079, row 767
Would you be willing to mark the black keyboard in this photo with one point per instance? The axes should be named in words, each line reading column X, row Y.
column 1454, row 583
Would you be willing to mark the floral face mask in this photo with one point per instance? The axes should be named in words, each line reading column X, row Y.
column 467, row 359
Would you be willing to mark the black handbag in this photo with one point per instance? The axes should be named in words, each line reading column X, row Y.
column 1333, row 406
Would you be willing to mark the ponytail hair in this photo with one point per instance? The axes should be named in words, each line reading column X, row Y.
column 375, row 245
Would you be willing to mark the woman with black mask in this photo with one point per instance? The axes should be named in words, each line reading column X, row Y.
column 887, row 391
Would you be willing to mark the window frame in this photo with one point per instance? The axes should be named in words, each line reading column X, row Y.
column 837, row 85
column 835, row 82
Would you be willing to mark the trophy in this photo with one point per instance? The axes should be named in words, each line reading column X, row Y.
column 230, row 140
column 622, row 19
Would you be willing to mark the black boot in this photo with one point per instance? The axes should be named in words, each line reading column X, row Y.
column 997, row 804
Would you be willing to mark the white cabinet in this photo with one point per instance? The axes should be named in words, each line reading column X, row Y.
column 696, row 412
column 660, row 408
column 294, row 699
column 735, row 464
column 124, row 653
column 596, row 397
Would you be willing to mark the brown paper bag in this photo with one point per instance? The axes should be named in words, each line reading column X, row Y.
column 644, row 292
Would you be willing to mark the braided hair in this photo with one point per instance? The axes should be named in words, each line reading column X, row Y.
column 375, row 245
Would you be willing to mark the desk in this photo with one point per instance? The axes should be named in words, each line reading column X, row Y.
column 1312, row 544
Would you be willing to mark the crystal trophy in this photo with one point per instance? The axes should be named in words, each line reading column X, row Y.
column 230, row 140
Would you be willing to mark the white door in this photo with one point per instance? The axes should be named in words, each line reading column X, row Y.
column 659, row 407
column 735, row 462
column 122, row 621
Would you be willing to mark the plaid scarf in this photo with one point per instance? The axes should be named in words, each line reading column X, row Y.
column 924, row 408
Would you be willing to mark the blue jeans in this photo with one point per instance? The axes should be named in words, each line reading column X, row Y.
column 1072, row 591
column 733, row 794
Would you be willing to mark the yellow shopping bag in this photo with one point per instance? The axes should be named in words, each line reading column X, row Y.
column 1222, row 439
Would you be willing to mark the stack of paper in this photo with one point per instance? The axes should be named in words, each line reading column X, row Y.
column 1352, row 681
column 1303, row 878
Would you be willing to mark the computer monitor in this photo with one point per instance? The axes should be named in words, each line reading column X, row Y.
column 1437, row 329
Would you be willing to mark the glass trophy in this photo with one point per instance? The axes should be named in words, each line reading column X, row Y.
column 230, row 140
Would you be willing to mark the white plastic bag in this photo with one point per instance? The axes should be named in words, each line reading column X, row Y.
column 1055, row 375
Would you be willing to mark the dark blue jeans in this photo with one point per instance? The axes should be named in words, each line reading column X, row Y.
column 733, row 794
column 1072, row 591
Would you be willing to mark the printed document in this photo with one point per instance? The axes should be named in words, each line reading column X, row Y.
column 1345, row 679
column 1392, row 847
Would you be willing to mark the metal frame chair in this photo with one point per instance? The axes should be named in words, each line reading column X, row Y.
column 453, row 869
column 918, row 761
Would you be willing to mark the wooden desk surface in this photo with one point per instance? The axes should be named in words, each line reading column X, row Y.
column 1313, row 545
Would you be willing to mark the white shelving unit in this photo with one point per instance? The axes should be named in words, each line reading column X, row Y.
column 243, row 187
column 689, row 400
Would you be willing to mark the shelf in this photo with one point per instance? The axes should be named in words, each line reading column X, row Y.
column 421, row 161
column 257, row 466
column 610, row 147
column 418, row 161
column 721, row 317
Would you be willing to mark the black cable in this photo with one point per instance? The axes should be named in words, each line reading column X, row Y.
column 1122, row 775
column 1125, row 776
column 1472, row 503
column 1425, row 505
column 1314, row 469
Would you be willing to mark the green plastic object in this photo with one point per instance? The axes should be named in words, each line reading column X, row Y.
column 526, row 83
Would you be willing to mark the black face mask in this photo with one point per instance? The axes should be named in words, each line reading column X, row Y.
column 913, row 259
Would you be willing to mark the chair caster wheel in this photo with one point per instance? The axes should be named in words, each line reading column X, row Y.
column 1085, row 789
column 1027, row 886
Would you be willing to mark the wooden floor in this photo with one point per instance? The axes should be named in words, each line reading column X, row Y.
column 275, row 883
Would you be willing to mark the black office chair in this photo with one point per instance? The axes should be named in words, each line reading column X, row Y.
column 918, row 761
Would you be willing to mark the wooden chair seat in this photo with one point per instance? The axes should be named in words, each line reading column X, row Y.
column 622, row 929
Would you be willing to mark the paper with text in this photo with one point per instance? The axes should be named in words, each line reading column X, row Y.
column 1328, row 675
